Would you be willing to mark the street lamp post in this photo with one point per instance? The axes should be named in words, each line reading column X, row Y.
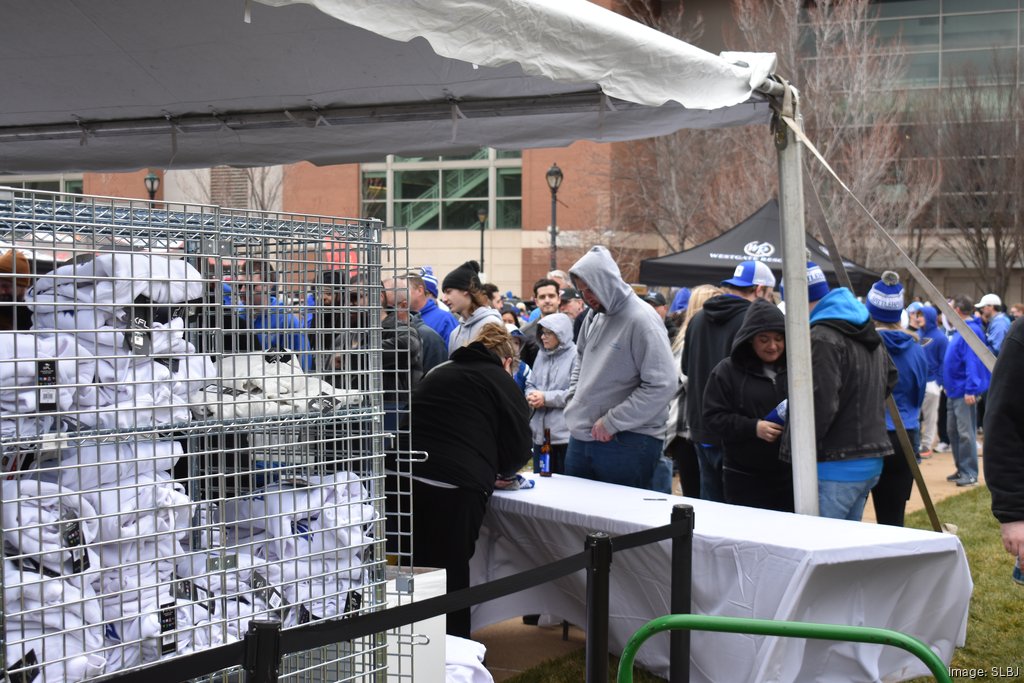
column 554, row 178
column 481, row 217
column 152, row 182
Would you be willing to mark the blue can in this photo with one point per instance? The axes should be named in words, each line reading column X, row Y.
column 1018, row 576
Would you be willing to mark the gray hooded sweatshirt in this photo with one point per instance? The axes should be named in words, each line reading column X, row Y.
column 469, row 329
column 551, row 374
column 625, row 372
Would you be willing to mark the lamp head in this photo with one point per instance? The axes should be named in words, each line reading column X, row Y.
column 554, row 177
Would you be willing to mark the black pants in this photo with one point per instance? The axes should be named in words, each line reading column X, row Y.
column 891, row 493
column 446, row 524
column 683, row 452
column 943, row 434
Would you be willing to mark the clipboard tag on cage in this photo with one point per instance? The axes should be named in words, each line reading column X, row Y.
column 353, row 601
column 137, row 337
column 29, row 665
column 264, row 590
column 71, row 533
column 46, row 376
column 305, row 616
column 168, row 623
column 186, row 589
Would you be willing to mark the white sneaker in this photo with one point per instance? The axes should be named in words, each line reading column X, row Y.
column 941, row 447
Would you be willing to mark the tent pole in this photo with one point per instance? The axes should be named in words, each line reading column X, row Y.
column 798, row 339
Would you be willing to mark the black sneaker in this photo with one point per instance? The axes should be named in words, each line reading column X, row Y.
column 953, row 477
column 967, row 481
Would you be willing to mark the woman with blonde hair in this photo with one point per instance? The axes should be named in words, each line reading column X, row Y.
column 677, row 441
column 472, row 419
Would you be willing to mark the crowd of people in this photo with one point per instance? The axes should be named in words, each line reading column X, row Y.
column 628, row 389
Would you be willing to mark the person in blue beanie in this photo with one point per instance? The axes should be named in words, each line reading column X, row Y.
column 423, row 300
column 885, row 304
column 852, row 377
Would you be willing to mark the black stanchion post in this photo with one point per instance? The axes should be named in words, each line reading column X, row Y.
column 681, row 597
column 598, row 579
column 262, row 651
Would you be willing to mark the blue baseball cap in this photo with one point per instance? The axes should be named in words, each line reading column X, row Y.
column 751, row 273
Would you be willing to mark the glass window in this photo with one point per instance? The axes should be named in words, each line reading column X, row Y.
column 907, row 8
column 988, row 66
column 510, row 182
column 416, row 184
column 462, row 215
column 508, row 154
column 952, row 6
column 375, row 185
column 510, row 214
column 914, row 34
column 978, row 30
column 417, row 215
column 922, row 69
column 465, row 182
column 445, row 192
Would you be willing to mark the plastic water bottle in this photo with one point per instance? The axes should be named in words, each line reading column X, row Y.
column 1018, row 575
column 778, row 414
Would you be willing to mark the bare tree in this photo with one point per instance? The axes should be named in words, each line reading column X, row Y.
column 978, row 143
column 692, row 185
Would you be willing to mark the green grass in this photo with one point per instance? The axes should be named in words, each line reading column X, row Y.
column 995, row 628
column 995, row 625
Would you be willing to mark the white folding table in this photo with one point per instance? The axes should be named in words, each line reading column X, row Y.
column 746, row 563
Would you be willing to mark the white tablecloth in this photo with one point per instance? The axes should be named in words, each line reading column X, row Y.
column 746, row 563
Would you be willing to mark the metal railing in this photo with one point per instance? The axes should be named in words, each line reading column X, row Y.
column 789, row 629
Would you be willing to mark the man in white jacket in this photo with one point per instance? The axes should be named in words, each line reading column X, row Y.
column 623, row 382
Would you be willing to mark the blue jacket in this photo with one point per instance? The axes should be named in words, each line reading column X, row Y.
column 276, row 328
column 912, row 365
column 440, row 320
column 963, row 372
column 934, row 341
column 996, row 330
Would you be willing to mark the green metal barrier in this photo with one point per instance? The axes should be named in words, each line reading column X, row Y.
column 790, row 629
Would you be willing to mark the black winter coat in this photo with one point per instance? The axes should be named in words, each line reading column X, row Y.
column 708, row 340
column 472, row 419
column 1004, row 429
column 853, row 375
column 739, row 393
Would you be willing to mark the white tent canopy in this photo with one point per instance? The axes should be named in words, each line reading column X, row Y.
column 106, row 85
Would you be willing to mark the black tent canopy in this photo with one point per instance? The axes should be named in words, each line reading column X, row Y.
column 758, row 238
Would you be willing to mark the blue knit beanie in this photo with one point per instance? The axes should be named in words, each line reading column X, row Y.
column 429, row 280
column 817, row 286
column 885, row 300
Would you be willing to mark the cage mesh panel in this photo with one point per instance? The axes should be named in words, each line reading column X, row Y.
column 193, row 433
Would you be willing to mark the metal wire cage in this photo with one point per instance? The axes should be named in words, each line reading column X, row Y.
column 195, row 406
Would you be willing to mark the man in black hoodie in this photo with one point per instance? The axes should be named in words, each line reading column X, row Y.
column 708, row 340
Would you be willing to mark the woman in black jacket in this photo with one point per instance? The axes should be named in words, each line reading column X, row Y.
column 741, row 392
column 470, row 416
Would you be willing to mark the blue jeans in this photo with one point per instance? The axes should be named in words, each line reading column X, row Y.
column 844, row 499
column 710, row 460
column 628, row 459
column 962, row 427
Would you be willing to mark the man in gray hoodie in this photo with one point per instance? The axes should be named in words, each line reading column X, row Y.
column 622, row 383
